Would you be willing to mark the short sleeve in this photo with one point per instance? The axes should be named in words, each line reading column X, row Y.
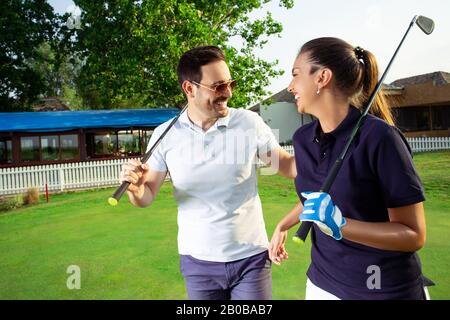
column 157, row 160
column 265, row 138
column 400, row 183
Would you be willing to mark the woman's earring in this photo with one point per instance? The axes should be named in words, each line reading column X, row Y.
column 318, row 90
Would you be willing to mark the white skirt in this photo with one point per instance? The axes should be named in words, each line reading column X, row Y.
column 313, row 292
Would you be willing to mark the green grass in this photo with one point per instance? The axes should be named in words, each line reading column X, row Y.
column 130, row 253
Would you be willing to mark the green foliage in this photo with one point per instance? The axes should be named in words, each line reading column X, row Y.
column 131, row 48
column 11, row 203
column 24, row 26
column 71, row 98
column 58, row 71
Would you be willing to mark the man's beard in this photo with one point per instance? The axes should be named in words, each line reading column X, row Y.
column 223, row 112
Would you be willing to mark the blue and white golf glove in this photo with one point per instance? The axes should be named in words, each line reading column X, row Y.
column 319, row 208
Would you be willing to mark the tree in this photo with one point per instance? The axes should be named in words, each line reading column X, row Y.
column 24, row 26
column 58, row 71
column 131, row 48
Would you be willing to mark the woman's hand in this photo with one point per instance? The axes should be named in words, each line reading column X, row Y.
column 277, row 251
column 319, row 208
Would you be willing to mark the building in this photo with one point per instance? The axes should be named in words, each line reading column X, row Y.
column 422, row 105
column 36, row 138
column 50, row 104
column 280, row 113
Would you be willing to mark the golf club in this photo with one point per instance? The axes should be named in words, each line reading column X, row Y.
column 427, row 26
column 114, row 199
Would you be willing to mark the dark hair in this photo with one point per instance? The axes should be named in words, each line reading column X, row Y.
column 355, row 72
column 189, row 66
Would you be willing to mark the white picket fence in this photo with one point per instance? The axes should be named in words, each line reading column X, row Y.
column 95, row 174
column 417, row 144
column 60, row 177
column 429, row 144
column 289, row 149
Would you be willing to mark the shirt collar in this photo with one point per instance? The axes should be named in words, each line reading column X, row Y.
column 184, row 119
column 343, row 129
column 221, row 122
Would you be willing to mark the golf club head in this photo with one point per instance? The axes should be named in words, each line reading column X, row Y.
column 425, row 24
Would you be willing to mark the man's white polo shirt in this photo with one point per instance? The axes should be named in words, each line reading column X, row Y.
column 215, row 184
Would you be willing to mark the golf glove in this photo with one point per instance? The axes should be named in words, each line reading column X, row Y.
column 319, row 208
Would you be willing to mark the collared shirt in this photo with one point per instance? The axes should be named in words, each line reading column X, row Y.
column 377, row 174
column 215, row 184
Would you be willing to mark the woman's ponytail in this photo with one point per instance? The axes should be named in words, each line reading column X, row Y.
column 380, row 107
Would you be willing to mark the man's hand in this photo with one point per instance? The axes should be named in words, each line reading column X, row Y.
column 133, row 172
column 319, row 208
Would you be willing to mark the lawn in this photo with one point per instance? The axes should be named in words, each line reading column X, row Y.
column 129, row 253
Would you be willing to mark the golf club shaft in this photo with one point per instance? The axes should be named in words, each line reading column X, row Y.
column 303, row 230
column 124, row 186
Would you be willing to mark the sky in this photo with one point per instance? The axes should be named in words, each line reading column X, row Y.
column 374, row 25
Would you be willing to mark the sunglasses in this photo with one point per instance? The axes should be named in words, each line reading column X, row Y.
column 221, row 87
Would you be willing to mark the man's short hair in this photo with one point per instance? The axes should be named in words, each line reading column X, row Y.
column 189, row 66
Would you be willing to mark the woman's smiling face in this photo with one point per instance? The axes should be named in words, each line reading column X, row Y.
column 304, row 84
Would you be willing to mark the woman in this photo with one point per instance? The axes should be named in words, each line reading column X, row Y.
column 367, row 229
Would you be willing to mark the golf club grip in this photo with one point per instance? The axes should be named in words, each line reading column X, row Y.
column 125, row 184
column 303, row 230
column 121, row 190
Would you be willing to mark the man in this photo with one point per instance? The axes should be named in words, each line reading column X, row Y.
column 210, row 154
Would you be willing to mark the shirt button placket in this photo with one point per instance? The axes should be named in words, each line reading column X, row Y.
column 323, row 151
column 207, row 148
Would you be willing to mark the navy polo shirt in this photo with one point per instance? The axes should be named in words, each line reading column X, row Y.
column 377, row 173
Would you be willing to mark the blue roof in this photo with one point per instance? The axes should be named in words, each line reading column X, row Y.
column 69, row 120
